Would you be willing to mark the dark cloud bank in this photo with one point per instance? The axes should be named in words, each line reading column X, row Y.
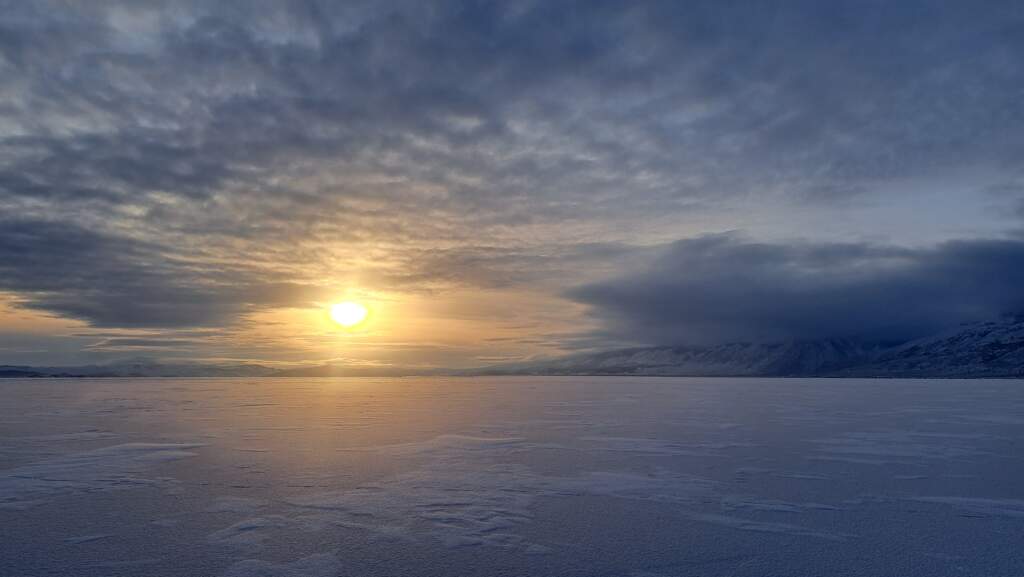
column 117, row 281
column 724, row 288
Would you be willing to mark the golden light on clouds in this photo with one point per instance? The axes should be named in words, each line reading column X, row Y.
column 409, row 329
column 349, row 314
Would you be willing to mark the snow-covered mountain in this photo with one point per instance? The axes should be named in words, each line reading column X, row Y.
column 985, row 349
column 734, row 359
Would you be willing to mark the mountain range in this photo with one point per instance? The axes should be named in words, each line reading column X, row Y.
column 992, row 349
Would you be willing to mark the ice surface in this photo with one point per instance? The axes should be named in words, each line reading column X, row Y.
column 984, row 507
column 320, row 565
column 511, row 476
column 105, row 469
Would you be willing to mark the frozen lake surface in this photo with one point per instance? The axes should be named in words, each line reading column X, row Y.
column 511, row 476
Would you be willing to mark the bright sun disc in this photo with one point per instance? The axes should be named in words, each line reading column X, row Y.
column 348, row 314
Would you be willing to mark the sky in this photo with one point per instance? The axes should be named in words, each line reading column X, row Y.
column 501, row 181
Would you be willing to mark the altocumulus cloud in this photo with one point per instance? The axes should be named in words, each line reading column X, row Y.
column 592, row 109
column 723, row 287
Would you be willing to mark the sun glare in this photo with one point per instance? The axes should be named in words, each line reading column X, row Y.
column 349, row 314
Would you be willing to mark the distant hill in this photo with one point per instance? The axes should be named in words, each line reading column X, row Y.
column 140, row 368
column 985, row 349
column 19, row 373
column 733, row 359
column 989, row 349
column 143, row 368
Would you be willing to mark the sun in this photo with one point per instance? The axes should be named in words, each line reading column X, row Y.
column 349, row 314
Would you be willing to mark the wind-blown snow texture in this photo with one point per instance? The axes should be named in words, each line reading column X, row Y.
column 511, row 476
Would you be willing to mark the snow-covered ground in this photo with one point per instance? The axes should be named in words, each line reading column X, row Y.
column 511, row 476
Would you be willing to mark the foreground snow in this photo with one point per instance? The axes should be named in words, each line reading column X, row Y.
column 516, row 476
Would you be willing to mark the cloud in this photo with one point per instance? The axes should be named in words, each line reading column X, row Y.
column 177, row 164
column 490, row 113
column 112, row 281
column 136, row 343
column 726, row 288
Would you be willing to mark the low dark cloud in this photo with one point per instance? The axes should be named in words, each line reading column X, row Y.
column 725, row 288
column 118, row 281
